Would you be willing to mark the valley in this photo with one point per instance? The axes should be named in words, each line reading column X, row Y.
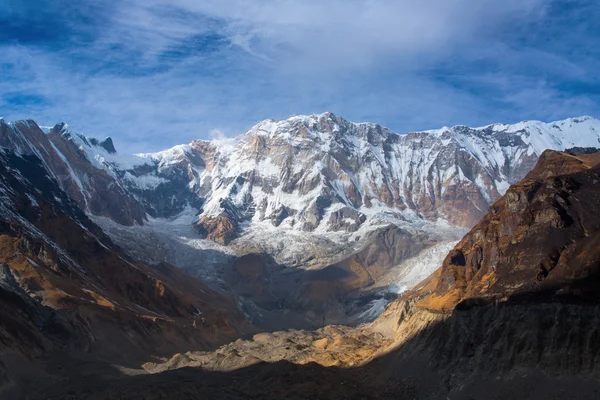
column 369, row 263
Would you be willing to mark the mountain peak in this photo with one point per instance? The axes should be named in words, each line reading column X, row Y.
column 324, row 126
column 107, row 144
column 313, row 117
column 62, row 128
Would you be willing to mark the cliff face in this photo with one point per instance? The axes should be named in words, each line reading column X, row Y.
column 542, row 237
column 94, row 190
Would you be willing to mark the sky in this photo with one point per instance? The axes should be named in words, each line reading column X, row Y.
column 156, row 73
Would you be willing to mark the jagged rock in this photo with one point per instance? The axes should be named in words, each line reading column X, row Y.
column 579, row 151
column 220, row 229
column 279, row 215
column 346, row 219
column 314, row 213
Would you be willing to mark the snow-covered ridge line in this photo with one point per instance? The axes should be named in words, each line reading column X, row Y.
column 271, row 125
column 322, row 173
column 176, row 150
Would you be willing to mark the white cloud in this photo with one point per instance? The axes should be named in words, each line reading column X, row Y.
column 322, row 34
column 217, row 134
column 405, row 64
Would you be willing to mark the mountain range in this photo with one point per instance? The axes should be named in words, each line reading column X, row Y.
column 310, row 192
column 301, row 223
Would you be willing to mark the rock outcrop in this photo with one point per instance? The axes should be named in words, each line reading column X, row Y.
column 542, row 236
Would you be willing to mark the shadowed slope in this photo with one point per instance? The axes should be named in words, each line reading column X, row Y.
column 66, row 288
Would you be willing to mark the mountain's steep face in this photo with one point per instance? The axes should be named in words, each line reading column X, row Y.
column 64, row 156
column 322, row 173
column 543, row 236
column 65, row 286
column 96, row 188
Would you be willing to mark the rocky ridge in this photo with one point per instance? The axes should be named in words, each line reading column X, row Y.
column 67, row 291
column 540, row 237
column 317, row 173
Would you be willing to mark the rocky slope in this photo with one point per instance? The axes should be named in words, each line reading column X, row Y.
column 542, row 236
column 93, row 189
column 67, row 291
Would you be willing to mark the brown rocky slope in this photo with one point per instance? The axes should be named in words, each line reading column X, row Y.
column 542, row 237
column 67, row 292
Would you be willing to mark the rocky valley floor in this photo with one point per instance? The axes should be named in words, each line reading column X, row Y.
column 407, row 353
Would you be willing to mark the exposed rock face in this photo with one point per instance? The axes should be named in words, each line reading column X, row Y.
column 106, row 144
column 347, row 219
column 312, row 167
column 64, row 286
column 542, row 236
column 301, row 173
column 578, row 151
column 94, row 189
column 329, row 346
column 221, row 229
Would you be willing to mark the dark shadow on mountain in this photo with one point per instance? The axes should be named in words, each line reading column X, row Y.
column 279, row 297
column 530, row 347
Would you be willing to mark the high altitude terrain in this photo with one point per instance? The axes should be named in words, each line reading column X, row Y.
column 301, row 223
column 490, row 323
column 302, row 220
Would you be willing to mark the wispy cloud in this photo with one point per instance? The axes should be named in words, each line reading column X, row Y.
column 155, row 73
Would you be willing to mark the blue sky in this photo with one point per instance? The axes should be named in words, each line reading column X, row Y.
column 155, row 73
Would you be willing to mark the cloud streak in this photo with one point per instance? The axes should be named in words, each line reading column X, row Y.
column 155, row 73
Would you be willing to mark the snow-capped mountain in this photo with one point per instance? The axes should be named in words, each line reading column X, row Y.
column 322, row 173
column 317, row 173
column 352, row 200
